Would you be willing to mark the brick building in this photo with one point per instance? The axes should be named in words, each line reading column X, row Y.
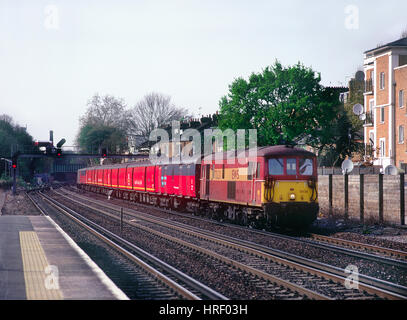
column 385, row 98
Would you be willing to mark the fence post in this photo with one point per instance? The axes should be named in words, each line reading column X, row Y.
column 346, row 196
column 380, row 197
column 330, row 195
column 121, row 221
column 402, row 197
column 362, row 196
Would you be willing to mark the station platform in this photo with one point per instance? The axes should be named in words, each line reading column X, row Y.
column 39, row 261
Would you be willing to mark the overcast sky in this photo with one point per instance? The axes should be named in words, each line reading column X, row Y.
column 54, row 55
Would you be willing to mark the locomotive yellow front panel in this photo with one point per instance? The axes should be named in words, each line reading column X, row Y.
column 290, row 191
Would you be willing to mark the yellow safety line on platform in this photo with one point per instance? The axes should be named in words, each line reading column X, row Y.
column 35, row 273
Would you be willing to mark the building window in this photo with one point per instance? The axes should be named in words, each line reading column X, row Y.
column 382, row 78
column 401, row 98
column 402, row 60
column 382, row 142
column 382, row 114
column 401, row 134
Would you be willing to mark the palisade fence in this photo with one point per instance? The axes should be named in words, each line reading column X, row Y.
column 365, row 195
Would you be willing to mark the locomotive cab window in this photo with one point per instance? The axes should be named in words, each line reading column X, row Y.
column 291, row 167
column 276, row 167
column 306, row 167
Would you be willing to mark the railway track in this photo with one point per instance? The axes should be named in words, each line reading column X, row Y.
column 41, row 211
column 274, row 286
column 379, row 254
column 353, row 249
column 295, row 271
column 388, row 252
column 152, row 271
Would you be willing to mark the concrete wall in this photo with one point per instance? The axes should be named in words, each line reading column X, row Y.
column 371, row 212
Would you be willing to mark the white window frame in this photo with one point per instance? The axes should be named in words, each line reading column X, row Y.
column 382, row 79
column 401, row 98
column 401, row 134
column 382, row 115
column 382, row 146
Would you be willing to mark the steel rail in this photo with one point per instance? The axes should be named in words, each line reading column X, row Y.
column 334, row 248
column 209, row 293
column 42, row 212
column 369, row 284
column 256, row 272
column 350, row 243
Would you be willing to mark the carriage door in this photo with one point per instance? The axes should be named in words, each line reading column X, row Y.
column 251, row 178
column 207, row 177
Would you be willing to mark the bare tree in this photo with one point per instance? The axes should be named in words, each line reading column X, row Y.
column 7, row 118
column 105, row 111
column 153, row 111
column 104, row 125
column 404, row 33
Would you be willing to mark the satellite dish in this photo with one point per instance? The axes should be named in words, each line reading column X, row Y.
column 391, row 170
column 347, row 166
column 358, row 109
column 360, row 76
column 362, row 117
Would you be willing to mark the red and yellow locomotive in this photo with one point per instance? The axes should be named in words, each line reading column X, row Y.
column 277, row 185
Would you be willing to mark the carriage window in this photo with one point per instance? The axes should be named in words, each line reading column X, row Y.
column 291, row 167
column 306, row 168
column 276, row 167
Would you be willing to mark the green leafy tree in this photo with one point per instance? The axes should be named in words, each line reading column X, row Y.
column 346, row 131
column 283, row 103
column 342, row 139
column 356, row 90
column 289, row 105
column 14, row 137
column 104, row 125
column 92, row 137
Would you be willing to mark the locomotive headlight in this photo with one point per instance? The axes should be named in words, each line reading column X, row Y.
column 292, row 196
